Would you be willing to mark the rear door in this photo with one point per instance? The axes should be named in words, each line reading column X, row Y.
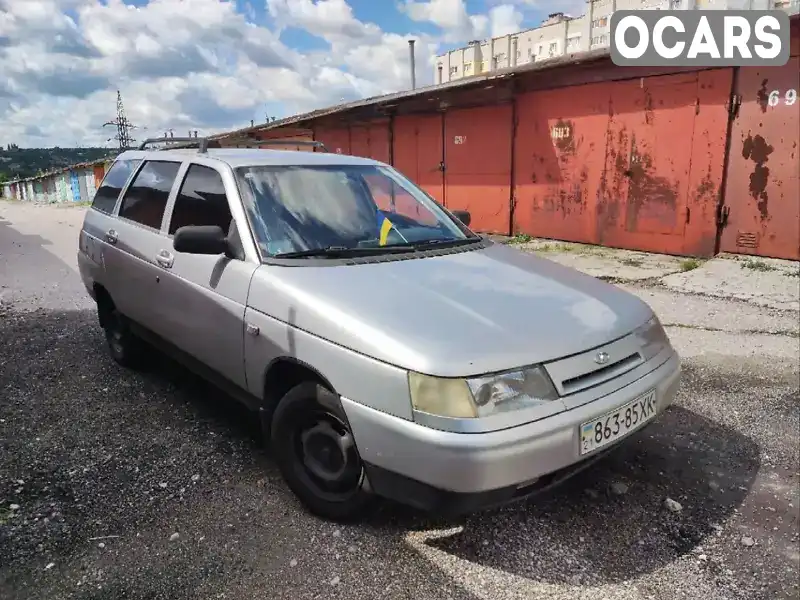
column 100, row 224
column 202, row 298
column 132, row 272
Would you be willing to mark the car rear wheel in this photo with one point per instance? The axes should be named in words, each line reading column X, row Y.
column 316, row 453
column 125, row 348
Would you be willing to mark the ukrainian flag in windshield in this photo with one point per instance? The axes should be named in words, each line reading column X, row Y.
column 384, row 227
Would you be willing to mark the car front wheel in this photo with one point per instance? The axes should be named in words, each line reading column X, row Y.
column 316, row 453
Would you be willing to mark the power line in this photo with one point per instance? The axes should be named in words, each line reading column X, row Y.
column 123, row 125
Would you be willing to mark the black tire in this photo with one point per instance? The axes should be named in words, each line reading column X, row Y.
column 125, row 348
column 316, row 454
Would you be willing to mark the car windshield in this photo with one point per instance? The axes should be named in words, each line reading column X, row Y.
column 353, row 207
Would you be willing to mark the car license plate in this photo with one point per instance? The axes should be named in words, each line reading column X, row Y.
column 613, row 425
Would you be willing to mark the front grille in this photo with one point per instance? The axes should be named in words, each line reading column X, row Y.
column 587, row 380
column 583, row 371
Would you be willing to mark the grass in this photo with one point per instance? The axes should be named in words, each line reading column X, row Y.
column 520, row 238
column 5, row 515
column 690, row 264
column 756, row 264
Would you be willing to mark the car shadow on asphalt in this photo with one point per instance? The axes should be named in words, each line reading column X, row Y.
column 611, row 523
column 583, row 531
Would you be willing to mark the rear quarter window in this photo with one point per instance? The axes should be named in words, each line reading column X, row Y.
column 106, row 197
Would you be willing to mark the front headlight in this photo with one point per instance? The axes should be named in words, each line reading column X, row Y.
column 652, row 337
column 481, row 396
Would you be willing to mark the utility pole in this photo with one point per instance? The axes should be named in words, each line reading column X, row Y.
column 123, row 125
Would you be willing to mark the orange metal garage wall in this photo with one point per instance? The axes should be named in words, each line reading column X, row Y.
column 336, row 139
column 631, row 164
column 762, row 194
column 559, row 157
column 419, row 152
column 477, row 165
column 371, row 140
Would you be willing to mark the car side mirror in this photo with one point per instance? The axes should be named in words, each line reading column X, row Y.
column 200, row 239
column 463, row 216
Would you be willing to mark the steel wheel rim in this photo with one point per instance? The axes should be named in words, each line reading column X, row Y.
column 325, row 456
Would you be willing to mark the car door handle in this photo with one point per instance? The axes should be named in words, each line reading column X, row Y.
column 111, row 236
column 165, row 258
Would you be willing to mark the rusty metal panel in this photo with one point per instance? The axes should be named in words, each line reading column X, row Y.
column 371, row 140
column 762, row 189
column 99, row 173
column 359, row 141
column 708, row 161
column 380, row 142
column 336, row 140
column 477, row 151
column 644, row 199
column 559, row 156
column 419, row 152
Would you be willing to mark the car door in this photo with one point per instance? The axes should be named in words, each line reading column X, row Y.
column 203, row 297
column 99, row 226
column 132, row 271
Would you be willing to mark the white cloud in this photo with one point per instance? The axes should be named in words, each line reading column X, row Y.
column 504, row 19
column 200, row 64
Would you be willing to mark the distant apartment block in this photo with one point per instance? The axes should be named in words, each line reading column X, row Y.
column 561, row 34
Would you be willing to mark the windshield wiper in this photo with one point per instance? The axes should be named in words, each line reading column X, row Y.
column 342, row 252
column 445, row 242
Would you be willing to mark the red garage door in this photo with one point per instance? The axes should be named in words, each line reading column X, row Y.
column 477, row 150
column 418, row 152
column 371, row 140
column 763, row 187
column 559, row 157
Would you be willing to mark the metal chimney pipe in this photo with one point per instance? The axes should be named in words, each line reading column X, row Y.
column 413, row 65
column 514, row 46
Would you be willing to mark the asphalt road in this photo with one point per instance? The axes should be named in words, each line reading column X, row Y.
column 115, row 484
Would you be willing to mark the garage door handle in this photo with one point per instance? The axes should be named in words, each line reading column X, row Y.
column 165, row 259
column 111, row 236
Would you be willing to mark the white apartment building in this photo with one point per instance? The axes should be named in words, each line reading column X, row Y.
column 561, row 34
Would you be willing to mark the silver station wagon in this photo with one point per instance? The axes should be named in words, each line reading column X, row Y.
column 389, row 350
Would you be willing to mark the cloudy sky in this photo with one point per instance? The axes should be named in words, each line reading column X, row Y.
column 213, row 65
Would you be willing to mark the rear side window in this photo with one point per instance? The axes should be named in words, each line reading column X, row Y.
column 201, row 200
column 146, row 198
column 106, row 197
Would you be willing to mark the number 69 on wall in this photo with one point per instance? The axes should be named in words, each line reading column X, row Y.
column 788, row 99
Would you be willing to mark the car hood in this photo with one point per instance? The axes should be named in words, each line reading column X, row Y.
column 465, row 313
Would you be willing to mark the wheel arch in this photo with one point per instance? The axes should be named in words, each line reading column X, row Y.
column 285, row 372
column 105, row 303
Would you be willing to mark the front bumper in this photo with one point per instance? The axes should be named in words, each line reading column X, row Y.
column 429, row 468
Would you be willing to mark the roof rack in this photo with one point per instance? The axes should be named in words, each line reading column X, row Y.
column 203, row 144
column 251, row 142
column 182, row 142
